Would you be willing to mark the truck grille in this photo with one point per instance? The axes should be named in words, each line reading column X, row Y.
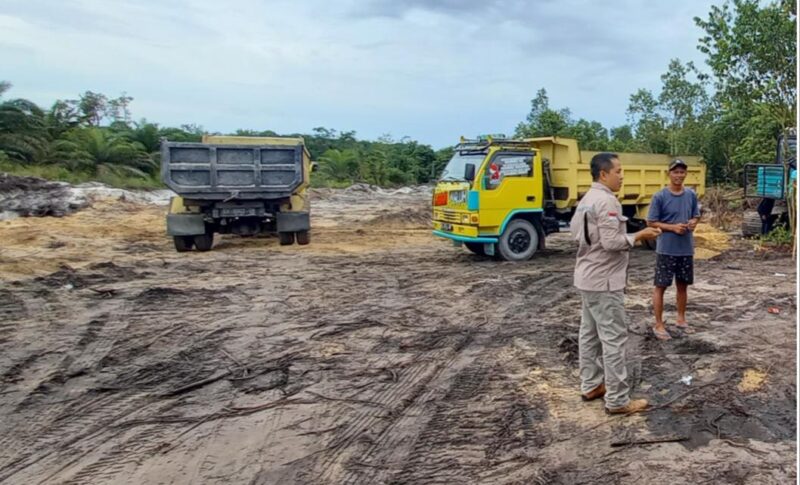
column 447, row 216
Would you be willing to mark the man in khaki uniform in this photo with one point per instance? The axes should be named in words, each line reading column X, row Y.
column 601, row 274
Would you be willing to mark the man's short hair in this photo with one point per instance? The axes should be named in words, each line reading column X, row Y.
column 602, row 162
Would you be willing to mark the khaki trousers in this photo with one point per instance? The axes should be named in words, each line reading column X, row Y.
column 601, row 345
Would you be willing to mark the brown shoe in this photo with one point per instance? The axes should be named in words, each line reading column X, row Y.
column 634, row 406
column 595, row 393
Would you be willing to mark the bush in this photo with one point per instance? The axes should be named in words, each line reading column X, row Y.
column 779, row 236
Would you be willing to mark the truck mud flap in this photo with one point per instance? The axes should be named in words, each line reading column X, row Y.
column 293, row 221
column 185, row 224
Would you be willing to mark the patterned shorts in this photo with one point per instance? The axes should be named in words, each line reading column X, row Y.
column 679, row 267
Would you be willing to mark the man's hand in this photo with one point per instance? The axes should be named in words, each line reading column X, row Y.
column 679, row 228
column 692, row 224
column 647, row 233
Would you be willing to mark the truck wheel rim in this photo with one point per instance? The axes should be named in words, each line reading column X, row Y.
column 519, row 241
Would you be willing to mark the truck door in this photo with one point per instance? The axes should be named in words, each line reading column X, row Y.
column 510, row 182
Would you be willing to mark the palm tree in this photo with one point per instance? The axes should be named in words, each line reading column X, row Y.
column 99, row 151
column 23, row 134
column 147, row 134
column 339, row 164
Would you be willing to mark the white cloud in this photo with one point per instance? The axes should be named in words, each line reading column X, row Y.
column 431, row 70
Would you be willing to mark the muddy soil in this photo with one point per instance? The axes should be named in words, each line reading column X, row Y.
column 377, row 354
column 31, row 196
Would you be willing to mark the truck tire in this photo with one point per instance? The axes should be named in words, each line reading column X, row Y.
column 183, row 243
column 303, row 237
column 751, row 224
column 519, row 241
column 476, row 248
column 286, row 238
column 204, row 242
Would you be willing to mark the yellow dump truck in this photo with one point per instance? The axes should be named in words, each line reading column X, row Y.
column 502, row 197
column 236, row 185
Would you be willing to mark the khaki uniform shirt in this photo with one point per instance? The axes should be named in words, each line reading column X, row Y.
column 600, row 230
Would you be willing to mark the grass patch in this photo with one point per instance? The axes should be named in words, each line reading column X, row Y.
column 62, row 174
column 779, row 236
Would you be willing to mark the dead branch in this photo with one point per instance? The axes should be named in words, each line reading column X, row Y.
column 742, row 445
column 198, row 384
column 672, row 439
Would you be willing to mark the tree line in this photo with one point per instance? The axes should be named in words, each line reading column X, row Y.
column 731, row 114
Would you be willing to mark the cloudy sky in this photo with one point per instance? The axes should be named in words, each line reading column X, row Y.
column 428, row 69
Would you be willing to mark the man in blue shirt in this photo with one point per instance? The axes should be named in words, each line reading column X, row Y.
column 675, row 211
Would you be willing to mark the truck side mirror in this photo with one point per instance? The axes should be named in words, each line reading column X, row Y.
column 469, row 172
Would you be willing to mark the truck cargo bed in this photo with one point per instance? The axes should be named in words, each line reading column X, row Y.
column 209, row 171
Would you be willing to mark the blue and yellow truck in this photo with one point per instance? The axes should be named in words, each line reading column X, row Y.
column 502, row 197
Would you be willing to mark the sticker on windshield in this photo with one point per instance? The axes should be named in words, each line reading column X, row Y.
column 512, row 166
column 508, row 166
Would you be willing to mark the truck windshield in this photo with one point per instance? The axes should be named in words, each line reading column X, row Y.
column 455, row 167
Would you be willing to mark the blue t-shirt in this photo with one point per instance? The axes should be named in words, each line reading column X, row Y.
column 674, row 209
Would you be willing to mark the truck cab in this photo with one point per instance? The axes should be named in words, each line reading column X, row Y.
column 490, row 197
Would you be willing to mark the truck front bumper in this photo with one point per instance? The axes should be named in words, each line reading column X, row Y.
column 460, row 233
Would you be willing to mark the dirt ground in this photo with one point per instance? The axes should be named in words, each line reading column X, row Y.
column 377, row 354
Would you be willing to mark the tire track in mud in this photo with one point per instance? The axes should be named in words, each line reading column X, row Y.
column 65, row 434
column 123, row 456
column 458, row 373
column 12, row 309
column 416, row 387
column 23, row 434
column 389, row 402
column 398, row 434
column 165, row 373
column 49, row 434
column 437, row 454
column 481, row 423
column 145, row 441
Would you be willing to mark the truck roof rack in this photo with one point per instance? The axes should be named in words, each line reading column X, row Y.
column 481, row 143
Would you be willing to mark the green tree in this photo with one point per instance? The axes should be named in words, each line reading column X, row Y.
column 148, row 135
column 99, row 151
column 186, row 133
column 542, row 120
column 119, row 109
column 621, row 139
column 683, row 102
column 339, row 165
column 62, row 117
column 751, row 48
column 649, row 126
column 591, row 135
column 23, row 133
column 92, row 107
